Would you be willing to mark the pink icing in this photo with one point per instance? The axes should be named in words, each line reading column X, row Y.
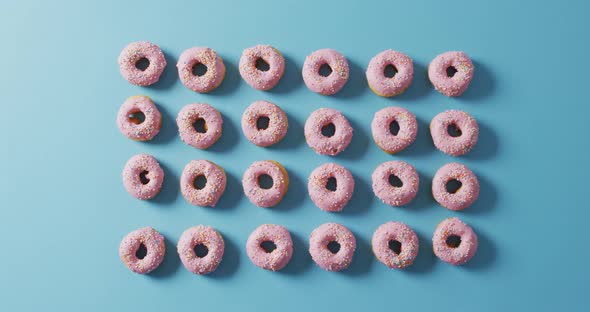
column 387, row 141
column 327, row 145
column 277, row 125
column 148, row 166
column 131, row 127
column 455, row 146
column 265, row 197
column 451, row 86
column 325, row 85
column 153, row 242
column 201, row 55
column 189, row 114
column 393, row 195
column 460, row 254
column 318, row 246
column 213, row 189
column 466, row 195
column 324, row 198
column 277, row 258
column 385, row 86
column 258, row 79
column 206, row 236
column 395, row 231
column 134, row 52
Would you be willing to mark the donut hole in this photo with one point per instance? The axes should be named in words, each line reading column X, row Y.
column 262, row 122
column 395, row 246
column 453, row 241
column 451, row 71
column 453, row 186
column 200, row 125
column 394, row 127
column 333, row 247
column 137, row 117
column 268, row 246
column 143, row 177
column 395, row 181
column 142, row 64
column 454, row 131
column 262, row 65
column 265, row 181
column 329, row 130
column 389, row 71
column 200, row 182
column 331, row 184
column 325, row 70
column 199, row 69
column 201, row 250
column 141, row 252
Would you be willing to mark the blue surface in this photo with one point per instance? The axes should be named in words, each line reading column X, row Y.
column 63, row 209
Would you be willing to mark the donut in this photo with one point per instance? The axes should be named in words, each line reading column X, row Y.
column 209, row 241
column 451, row 72
column 195, row 113
column 264, row 195
column 145, row 239
column 337, row 66
column 321, row 192
column 139, row 119
column 214, row 180
column 132, row 57
column 386, row 86
column 464, row 138
column 332, row 246
column 200, row 57
column 143, row 176
column 468, row 186
column 317, row 127
column 270, row 247
column 454, row 242
column 262, row 78
column 260, row 133
column 395, row 182
column 394, row 140
column 395, row 245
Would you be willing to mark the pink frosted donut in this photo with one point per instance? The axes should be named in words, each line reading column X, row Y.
column 454, row 242
column 338, row 71
column 260, row 194
column 264, row 123
column 133, row 55
column 332, row 246
column 317, row 133
column 395, row 245
column 143, row 176
column 399, row 82
column 199, row 113
column 263, row 78
column 393, row 142
column 330, row 187
column 214, row 180
column 270, row 247
column 193, row 58
column 139, row 119
column 464, row 138
column 209, row 241
column 451, row 73
column 141, row 240
column 468, row 186
column 395, row 182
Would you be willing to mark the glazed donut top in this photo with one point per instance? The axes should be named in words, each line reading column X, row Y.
column 260, row 79
column 136, row 51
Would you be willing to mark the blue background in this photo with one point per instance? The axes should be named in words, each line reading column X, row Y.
column 63, row 209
